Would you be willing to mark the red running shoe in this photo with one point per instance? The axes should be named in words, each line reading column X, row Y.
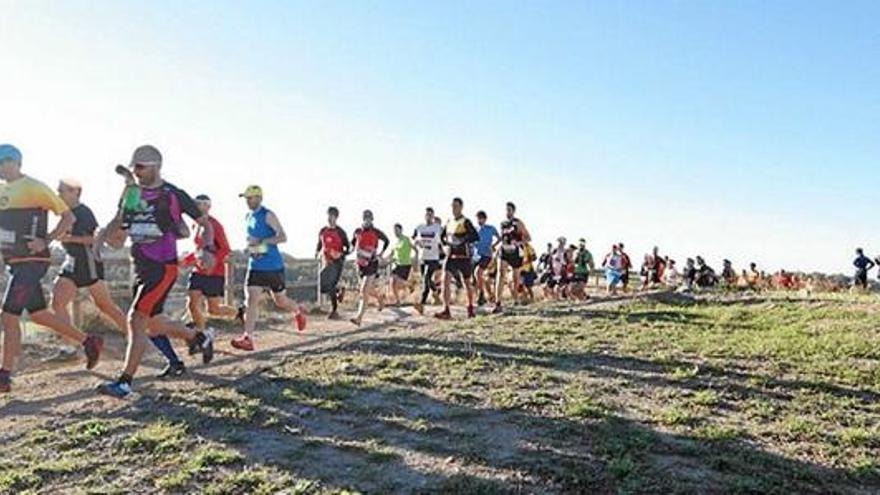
column 299, row 317
column 244, row 343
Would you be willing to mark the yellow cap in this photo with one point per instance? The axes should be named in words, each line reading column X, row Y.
column 251, row 191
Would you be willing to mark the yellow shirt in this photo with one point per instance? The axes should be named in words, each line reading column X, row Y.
column 528, row 258
column 24, row 207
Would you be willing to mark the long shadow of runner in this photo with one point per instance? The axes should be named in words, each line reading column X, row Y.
column 18, row 406
column 612, row 366
column 494, row 451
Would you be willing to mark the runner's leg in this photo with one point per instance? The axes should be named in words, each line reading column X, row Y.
column 104, row 302
column 195, row 302
column 63, row 294
column 11, row 340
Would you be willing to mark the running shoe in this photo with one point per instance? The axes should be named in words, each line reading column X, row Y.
column 243, row 343
column 173, row 370
column 194, row 346
column 419, row 307
column 299, row 318
column 472, row 313
column 355, row 321
column 443, row 315
column 93, row 346
column 333, row 316
column 115, row 389
column 5, row 382
column 497, row 310
column 208, row 345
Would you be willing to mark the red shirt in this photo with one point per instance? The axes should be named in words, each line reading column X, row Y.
column 221, row 250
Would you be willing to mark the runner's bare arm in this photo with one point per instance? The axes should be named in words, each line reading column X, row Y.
column 280, row 237
column 207, row 232
column 60, row 230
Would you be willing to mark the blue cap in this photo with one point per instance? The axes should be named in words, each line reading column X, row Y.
column 9, row 152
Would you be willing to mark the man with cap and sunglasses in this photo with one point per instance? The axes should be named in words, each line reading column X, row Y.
column 24, row 243
column 265, row 266
column 154, row 229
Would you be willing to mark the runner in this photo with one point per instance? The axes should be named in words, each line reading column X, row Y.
column 863, row 265
column 527, row 272
column 366, row 245
column 613, row 264
column 626, row 266
column 513, row 234
column 401, row 256
column 333, row 247
column 265, row 266
column 558, row 263
column 427, row 243
column 728, row 274
column 458, row 235
column 583, row 265
column 485, row 249
column 81, row 268
column 24, row 244
column 659, row 266
column 208, row 284
column 154, row 226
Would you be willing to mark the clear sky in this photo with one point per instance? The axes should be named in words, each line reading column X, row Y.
column 747, row 130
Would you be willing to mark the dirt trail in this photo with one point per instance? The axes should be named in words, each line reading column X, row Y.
column 53, row 390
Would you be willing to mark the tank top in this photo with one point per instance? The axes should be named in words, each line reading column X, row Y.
column 269, row 258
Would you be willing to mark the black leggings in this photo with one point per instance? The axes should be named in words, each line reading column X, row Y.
column 428, row 269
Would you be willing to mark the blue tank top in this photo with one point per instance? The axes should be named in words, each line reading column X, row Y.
column 270, row 260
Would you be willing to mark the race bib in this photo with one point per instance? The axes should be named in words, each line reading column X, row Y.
column 7, row 237
column 140, row 232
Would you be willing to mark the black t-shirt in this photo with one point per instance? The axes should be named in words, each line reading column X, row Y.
column 85, row 225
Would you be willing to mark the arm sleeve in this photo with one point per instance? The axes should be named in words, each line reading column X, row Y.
column 472, row 235
column 89, row 222
column 384, row 239
column 187, row 205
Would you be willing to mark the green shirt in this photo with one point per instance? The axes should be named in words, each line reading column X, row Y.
column 402, row 253
column 582, row 261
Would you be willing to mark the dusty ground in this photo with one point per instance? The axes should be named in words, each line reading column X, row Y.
column 750, row 394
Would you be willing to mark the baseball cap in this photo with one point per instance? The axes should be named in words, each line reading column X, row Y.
column 71, row 183
column 251, row 191
column 203, row 197
column 146, row 155
column 10, row 153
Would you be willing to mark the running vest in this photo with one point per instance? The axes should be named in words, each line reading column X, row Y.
column 428, row 240
column 158, row 214
column 366, row 245
column 267, row 258
column 24, row 207
column 511, row 235
column 460, row 234
column 157, row 224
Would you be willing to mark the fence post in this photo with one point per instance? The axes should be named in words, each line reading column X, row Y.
column 318, row 285
column 228, row 292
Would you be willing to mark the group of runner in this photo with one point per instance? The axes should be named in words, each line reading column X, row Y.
column 475, row 258
column 152, row 214
column 478, row 259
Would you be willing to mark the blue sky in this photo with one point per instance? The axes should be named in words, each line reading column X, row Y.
column 745, row 130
